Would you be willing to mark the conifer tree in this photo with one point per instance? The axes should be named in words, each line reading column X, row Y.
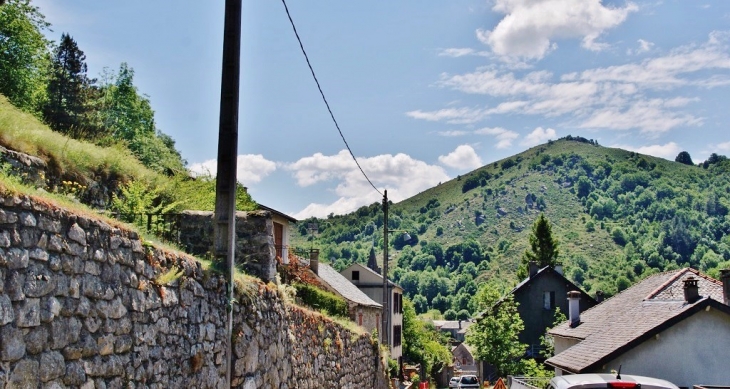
column 543, row 247
column 67, row 89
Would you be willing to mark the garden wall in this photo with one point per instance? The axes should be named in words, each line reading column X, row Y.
column 82, row 305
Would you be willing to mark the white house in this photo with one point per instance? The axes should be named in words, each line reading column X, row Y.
column 673, row 325
column 371, row 283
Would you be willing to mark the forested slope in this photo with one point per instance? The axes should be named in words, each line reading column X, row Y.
column 618, row 216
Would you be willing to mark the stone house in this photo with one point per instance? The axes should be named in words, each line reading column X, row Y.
column 282, row 231
column 456, row 329
column 539, row 296
column 464, row 361
column 371, row 283
column 362, row 309
column 673, row 325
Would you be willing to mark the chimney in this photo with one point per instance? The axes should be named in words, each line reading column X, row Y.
column 459, row 324
column 532, row 267
column 314, row 260
column 725, row 278
column 574, row 308
column 559, row 268
column 691, row 290
column 599, row 296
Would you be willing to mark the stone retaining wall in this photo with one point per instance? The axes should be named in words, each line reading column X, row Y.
column 83, row 305
column 255, row 253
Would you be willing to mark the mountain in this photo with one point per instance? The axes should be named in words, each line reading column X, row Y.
column 618, row 216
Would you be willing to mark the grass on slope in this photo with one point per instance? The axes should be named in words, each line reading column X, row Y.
column 23, row 132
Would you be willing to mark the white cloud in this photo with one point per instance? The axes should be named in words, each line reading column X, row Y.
column 651, row 116
column 537, row 136
column 503, row 136
column 618, row 97
column 644, row 46
column 530, row 28
column 456, row 52
column 250, row 168
column 453, row 133
column 723, row 146
column 450, row 115
column 400, row 174
column 667, row 151
column 463, row 157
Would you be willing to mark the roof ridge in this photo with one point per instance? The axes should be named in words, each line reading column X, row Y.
column 666, row 283
column 674, row 278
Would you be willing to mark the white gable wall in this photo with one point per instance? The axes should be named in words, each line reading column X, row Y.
column 693, row 351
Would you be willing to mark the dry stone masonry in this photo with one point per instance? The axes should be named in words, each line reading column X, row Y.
column 83, row 305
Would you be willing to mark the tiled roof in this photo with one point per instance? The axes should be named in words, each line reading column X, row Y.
column 451, row 324
column 343, row 286
column 625, row 320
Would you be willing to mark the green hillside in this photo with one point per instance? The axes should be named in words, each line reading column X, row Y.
column 618, row 216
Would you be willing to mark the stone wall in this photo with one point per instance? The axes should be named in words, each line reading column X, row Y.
column 36, row 172
column 255, row 251
column 83, row 304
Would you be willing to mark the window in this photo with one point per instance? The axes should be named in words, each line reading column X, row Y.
column 397, row 302
column 356, row 275
column 548, row 300
column 396, row 336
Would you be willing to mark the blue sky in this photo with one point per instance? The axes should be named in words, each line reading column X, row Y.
column 423, row 90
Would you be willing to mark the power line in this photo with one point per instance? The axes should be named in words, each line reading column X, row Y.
column 324, row 98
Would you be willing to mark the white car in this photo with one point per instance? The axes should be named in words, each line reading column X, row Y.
column 454, row 382
column 608, row 381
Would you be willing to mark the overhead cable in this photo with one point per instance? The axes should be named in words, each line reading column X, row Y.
column 324, row 98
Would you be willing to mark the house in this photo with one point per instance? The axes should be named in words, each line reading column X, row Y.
column 673, row 325
column 362, row 309
column 456, row 329
column 371, row 283
column 464, row 361
column 282, row 230
column 538, row 297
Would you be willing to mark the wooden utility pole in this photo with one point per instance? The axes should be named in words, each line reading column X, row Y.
column 386, row 311
column 225, row 189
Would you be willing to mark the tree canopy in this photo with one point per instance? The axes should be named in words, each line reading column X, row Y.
column 543, row 247
column 24, row 56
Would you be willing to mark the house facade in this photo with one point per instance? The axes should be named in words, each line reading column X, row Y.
column 362, row 309
column 282, row 230
column 371, row 283
column 539, row 296
column 673, row 325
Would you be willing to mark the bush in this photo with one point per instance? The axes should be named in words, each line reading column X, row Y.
column 322, row 300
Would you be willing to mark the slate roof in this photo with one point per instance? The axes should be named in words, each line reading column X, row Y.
column 624, row 321
column 452, row 324
column 343, row 286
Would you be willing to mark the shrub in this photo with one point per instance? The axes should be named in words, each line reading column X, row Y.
column 321, row 300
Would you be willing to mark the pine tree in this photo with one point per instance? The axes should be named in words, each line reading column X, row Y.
column 68, row 89
column 543, row 247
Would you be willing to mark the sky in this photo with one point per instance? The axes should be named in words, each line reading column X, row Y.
column 423, row 90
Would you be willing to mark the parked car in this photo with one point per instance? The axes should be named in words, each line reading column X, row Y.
column 610, row 381
column 468, row 381
column 454, row 382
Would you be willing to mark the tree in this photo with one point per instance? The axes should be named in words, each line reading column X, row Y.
column 23, row 54
column 543, row 247
column 422, row 343
column 684, row 158
column 495, row 335
column 128, row 117
column 68, row 89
